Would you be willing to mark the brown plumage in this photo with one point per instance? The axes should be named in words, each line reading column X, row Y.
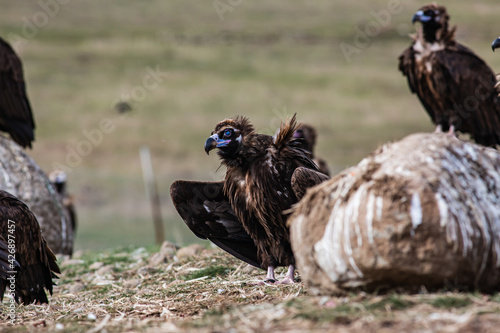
column 8, row 263
column 35, row 263
column 455, row 86
column 15, row 110
column 308, row 134
column 250, row 204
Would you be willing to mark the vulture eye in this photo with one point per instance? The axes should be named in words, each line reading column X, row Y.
column 227, row 133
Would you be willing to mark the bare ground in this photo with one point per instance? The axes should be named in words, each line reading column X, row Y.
column 126, row 291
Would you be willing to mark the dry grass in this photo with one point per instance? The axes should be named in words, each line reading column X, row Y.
column 212, row 292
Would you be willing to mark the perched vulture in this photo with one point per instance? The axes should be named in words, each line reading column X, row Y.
column 454, row 85
column 58, row 179
column 308, row 135
column 34, row 265
column 15, row 110
column 246, row 213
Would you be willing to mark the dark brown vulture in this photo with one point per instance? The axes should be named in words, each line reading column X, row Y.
column 454, row 85
column 58, row 179
column 15, row 110
column 246, row 213
column 30, row 262
column 307, row 135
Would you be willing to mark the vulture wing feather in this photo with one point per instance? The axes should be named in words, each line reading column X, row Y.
column 304, row 178
column 37, row 264
column 207, row 212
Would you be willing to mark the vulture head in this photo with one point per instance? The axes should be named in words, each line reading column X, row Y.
column 495, row 44
column 228, row 137
column 434, row 20
column 307, row 135
column 58, row 178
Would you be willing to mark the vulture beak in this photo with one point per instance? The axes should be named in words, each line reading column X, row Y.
column 495, row 44
column 420, row 17
column 214, row 142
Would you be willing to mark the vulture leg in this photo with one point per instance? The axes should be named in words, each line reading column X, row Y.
column 439, row 129
column 269, row 279
column 270, row 275
column 289, row 276
column 451, row 131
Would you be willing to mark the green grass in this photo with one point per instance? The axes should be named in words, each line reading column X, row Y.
column 211, row 272
column 340, row 313
column 392, row 302
column 447, row 302
column 265, row 60
column 345, row 312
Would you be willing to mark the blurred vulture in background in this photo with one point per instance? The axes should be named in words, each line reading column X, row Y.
column 30, row 261
column 454, row 85
column 58, row 178
column 15, row 110
column 307, row 138
column 246, row 213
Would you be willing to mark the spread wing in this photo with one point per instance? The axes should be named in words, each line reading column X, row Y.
column 15, row 111
column 208, row 214
column 304, row 178
column 37, row 264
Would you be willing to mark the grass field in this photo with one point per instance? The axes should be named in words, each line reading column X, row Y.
column 185, row 65
column 121, row 290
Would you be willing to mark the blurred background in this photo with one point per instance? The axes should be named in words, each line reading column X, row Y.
column 107, row 77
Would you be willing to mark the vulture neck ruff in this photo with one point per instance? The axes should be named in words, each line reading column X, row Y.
column 424, row 49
